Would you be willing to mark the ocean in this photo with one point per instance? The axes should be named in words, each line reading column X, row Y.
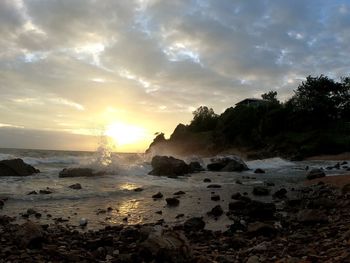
column 126, row 172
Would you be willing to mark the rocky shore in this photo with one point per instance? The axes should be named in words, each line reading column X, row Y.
column 311, row 226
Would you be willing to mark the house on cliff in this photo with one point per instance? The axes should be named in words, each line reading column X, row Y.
column 251, row 102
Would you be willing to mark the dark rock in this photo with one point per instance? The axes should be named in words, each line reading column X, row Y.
column 194, row 224
column 37, row 215
column 31, row 211
column 310, row 216
column 215, row 197
column 172, row 201
column 45, row 192
column 157, row 195
column 169, row 246
column 214, row 186
column 159, row 212
column 343, row 163
column 179, row 216
column 206, row 180
column 79, row 172
column 195, row 167
column 315, row 173
column 236, row 196
column 76, row 186
column 164, row 165
column 227, row 164
column 138, row 189
column 179, row 193
column 322, row 202
column 270, row 184
column 280, row 194
column 237, row 225
column 253, row 209
column 130, row 234
column 30, row 235
column 216, row 211
column 16, row 167
column 238, row 181
column 259, row 171
column 32, row 193
column 260, row 190
column 263, row 229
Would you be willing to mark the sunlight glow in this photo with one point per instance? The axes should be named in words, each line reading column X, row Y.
column 124, row 134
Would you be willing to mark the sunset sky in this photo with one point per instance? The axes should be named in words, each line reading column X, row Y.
column 72, row 70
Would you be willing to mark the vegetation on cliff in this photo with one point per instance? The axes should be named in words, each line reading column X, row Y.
column 315, row 120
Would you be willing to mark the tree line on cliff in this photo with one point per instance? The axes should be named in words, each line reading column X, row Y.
column 315, row 120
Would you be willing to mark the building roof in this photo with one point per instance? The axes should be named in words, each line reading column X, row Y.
column 249, row 101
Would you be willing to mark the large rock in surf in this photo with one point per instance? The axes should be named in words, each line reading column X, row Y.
column 315, row 173
column 164, row 165
column 16, row 167
column 79, row 172
column 228, row 164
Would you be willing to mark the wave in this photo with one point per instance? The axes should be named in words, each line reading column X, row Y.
column 270, row 163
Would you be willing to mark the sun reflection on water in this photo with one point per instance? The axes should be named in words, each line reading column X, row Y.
column 127, row 186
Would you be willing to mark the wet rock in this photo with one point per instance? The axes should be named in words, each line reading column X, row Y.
column 172, row 201
column 30, row 235
column 206, row 180
column 344, row 163
column 236, row 196
column 130, row 234
column 157, row 195
column 270, row 184
column 216, row 211
column 169, row 246
column 45, row 192
column 179, row 193
column 260, row 228
column 322, row 202
column 179, row 216
column 195, row 167
column 310, row 216
column 83, row 222
column 194, row 224
column 227, row 164
column 215, row 197
column 164, row 165
column 16, row 167
column 280, row 194
column 259, row 171
column 32, row 193
column 214, row 186
column 37, row 215
column 260, row 190
column 138, row 189
column 76, row 186
column 315, row 173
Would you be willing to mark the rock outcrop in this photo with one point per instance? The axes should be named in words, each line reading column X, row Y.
column 227, row 164
column 169, row 166
column 79, row 172
column 16, row 167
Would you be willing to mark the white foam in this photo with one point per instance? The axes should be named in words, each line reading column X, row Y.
column 270, row 163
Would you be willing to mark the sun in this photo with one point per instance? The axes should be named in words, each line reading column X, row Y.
column 124, row 134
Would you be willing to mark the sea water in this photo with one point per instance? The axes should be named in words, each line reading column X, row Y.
column 126, row 172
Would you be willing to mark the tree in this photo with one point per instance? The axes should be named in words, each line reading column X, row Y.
column 204, row 119
column 270, row 96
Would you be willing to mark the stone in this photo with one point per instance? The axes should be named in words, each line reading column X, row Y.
column 315, row 173
column 214, row 186
column 206, row 180
column 236, row 196
column 179, row 193
column 76, row 186
column 157, row 195
column 253, row 209
column 260, row 190
column 138, row 189
column 280, row 194
column 45, row 192
column 311, row 216
column 259, row 171
column 83, row 222
column 195, row 167
column 79, row 172
column 227, row 164
column 263, row 229
column 194, row 224
column 253, row 259
column 31, row 211
column 238, row 181
column 216, row 211
column 168, row 166
column 32, row 193
column 172, row 201
column 215, row 197
column 16, row 167
column 179, row 216
column 29, row 235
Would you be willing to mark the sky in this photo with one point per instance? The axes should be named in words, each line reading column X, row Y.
column 72, row 71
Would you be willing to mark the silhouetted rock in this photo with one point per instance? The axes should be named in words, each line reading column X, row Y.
column 281, row 193
column 227, row 164
column 206, row 180
column 79, row 172
column 29, row 235
column 172, row 201
column 259, row 171
column 216, row 211
column 214, row 186
column 76, row 186
column 215, row 197
column 315, row 173
column 16, row 167
column 164, row 165
column 157, row 195
column 195, row 167
column 179, row 193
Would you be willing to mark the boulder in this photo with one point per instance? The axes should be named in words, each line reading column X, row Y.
column 315, row 173
column 164, row 165
column 16, row 167
column 195, row 167
column 216, row 211
column 169, row 246
column 280, row 194
column 79, row 172
column 260, row 190
column 29, row 235
column 76, row 186
column 172, row 201
column 194, row 224
column 259, row 171
column 227, row 164
column 157, row 195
